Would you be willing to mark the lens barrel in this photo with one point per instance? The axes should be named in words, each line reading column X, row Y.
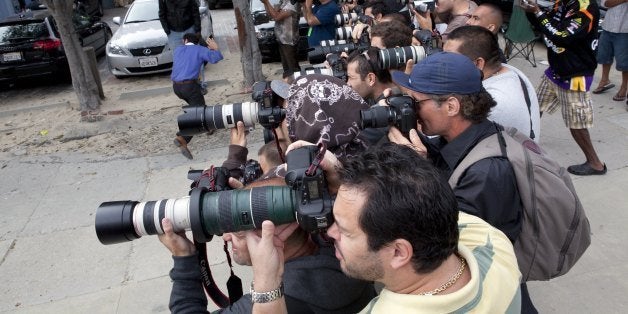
column 204, row 213
column 393, row 58
column 200, row 119
column 377, row 117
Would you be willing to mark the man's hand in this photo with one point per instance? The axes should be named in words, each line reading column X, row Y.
column 330, row 164
column 357, row 31
column 266, row 254
column 423, row 18
column 177, row 243
column 238, row 135
column 395, row 136
column 211, row 44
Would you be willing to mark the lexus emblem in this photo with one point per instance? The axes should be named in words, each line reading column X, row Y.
column 147, row 52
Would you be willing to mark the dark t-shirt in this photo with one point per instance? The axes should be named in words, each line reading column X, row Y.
column 326, row 30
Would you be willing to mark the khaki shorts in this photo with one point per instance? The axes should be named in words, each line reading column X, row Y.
column 576, row 106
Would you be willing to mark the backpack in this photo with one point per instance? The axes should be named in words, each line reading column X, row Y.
column 555, row 231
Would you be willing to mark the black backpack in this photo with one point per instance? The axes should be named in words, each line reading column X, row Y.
column 555, row 231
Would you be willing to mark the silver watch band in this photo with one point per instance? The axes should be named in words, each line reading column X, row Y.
column 268, row 296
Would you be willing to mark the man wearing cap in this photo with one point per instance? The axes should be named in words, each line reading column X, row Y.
column 452, row 104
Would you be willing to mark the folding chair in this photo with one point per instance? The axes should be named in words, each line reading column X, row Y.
column 520, row 37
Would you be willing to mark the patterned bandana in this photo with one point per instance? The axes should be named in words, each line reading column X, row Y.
column 324, row 109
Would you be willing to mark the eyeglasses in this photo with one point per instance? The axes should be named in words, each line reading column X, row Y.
column 417, row 102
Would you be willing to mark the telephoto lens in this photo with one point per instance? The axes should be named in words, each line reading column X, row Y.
column 394, row 58
column 344, row 18
column 344, row 33
column 204, row 213
column 200, row 119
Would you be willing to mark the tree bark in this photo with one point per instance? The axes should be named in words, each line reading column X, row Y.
column 82, row 77
column 249, row 49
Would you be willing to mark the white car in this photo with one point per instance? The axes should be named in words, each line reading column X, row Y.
column 140, row 45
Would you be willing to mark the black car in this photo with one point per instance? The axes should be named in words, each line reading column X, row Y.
column 30, row 45
column 265, row 32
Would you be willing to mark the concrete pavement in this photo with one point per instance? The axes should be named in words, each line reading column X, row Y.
column 52, row 262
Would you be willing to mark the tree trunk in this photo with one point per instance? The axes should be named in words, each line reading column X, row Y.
column 249, row 49
column 82, row 77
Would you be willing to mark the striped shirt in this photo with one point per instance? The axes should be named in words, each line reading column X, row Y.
column 494, row 284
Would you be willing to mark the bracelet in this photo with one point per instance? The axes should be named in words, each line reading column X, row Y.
column 538, row 13
column 268, row 296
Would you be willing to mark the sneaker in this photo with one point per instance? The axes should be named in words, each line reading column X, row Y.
column 183, row 147
column 585, row 170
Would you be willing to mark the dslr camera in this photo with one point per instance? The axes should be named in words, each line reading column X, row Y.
column 265, row 110
column 399, row 113
column 304, row 199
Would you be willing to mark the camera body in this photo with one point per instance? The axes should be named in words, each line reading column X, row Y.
column 399, row 113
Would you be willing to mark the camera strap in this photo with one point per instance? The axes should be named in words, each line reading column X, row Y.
column 234, row 284
column 311, row 170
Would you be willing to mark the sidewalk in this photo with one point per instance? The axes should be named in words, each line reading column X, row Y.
column 52, row 262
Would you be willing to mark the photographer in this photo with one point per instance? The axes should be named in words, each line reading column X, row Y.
column 286, row 18
column 367, row 78
column 397, row 222
column 322, row 20
column 313, row 280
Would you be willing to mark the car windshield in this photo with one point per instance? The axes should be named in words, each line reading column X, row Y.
column 142, row 12
column 22, row 31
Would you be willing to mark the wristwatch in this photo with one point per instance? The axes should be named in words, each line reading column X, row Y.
column 265, row 297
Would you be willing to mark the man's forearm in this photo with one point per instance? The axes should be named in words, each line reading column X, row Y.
column 310, row 18
column 613, row 3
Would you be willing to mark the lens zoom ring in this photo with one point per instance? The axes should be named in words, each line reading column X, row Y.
column 224, row 210
column 259, row 207
column 149, row 219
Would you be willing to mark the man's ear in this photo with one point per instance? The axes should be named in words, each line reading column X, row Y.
column 480, row 63
column 401, row 253
column 453, row 106
column 371, row 78
column 491, row 27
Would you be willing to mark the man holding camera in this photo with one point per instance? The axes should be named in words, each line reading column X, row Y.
column 397, row 222
column 286, row 17
column 322, row 20
column 313, row 280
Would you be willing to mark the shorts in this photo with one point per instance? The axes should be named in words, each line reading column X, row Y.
column 613, row 45
column 576, row 106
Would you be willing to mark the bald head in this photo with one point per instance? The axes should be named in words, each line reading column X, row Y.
column 488, row 16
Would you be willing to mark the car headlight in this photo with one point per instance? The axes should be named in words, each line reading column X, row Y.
column 265, row 33
column 115, row 49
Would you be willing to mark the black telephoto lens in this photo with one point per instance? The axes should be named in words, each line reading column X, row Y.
column 377, row 117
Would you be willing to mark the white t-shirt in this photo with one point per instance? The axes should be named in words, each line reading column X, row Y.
column 511, row 109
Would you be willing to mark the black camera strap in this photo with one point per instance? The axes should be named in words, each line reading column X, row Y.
column 234, row 284
column 311, row 170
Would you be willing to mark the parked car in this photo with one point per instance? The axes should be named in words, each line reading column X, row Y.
column 30, row 44
column 140, row 45
column 265, row 32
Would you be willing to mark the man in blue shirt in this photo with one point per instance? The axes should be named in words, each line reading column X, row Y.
column 322, row 21
column 187, row 61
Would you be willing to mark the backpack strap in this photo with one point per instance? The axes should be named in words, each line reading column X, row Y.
column 527, row 97
column 492, row 146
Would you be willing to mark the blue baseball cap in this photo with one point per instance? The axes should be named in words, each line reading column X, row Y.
column 441, row 74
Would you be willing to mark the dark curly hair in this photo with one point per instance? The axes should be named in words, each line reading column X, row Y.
column 393, row 33
column 473, row 107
